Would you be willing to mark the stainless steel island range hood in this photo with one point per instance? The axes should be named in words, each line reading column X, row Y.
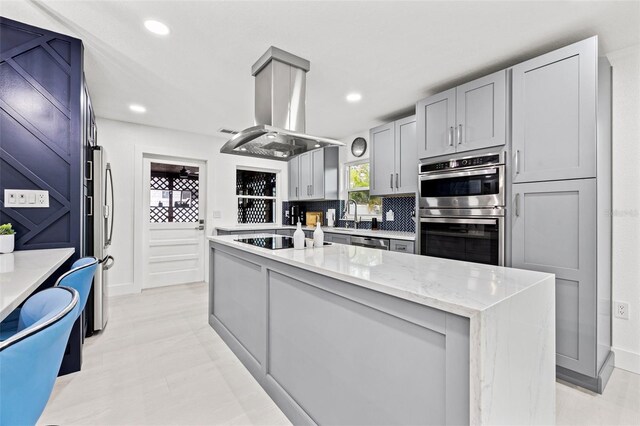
column 279, row 133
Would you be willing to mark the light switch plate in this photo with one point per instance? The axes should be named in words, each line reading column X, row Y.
column 26, row 198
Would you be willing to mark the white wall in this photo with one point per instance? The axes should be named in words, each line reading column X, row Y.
column 626, row 204
column 120, row 140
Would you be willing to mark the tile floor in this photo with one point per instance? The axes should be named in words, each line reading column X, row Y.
column 158, row 362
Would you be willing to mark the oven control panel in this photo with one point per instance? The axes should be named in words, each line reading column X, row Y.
column 460, row 163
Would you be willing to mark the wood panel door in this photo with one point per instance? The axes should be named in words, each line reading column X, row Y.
column 481, row 112
column 382, row 161
column 554, row 114
column 174, row 239
column 436, row 122
column 554, row 230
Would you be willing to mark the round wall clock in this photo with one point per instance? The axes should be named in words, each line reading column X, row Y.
column 358, row 147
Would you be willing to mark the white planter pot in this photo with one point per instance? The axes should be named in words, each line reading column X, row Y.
column 7, row 243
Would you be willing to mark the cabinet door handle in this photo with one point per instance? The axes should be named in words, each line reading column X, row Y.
column 518, row 205
column 451, row 136
column 391, row 181
column 397, row 179
column 296, row 192
column 90, row 200
column 459, row 134
column 517, row 161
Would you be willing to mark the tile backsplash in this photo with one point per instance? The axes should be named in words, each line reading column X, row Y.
column 402, row 207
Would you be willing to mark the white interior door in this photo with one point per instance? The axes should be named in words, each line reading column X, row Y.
column 174, row 212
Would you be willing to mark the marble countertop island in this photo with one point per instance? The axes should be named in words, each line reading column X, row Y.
column 498, row 325
column 21, row 272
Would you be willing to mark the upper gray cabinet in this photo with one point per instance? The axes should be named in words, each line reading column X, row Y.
column 382, row 159
column 554, row 114
column 436, row 124
column 393, row 161
column 294, row 178
column 314, row 175
column 465, row 118
column 406, row 157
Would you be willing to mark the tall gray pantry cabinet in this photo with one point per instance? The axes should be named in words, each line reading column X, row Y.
column 561, row 193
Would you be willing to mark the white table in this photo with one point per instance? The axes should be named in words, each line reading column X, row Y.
column 21, row 272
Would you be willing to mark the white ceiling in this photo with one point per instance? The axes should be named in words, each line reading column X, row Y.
column 198, row 78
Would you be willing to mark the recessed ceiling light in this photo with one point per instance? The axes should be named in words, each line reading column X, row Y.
column 156, row 27
column 137, row 108
column 354, row 97
column 243, row 149
column 317, row 145
column 271, row 136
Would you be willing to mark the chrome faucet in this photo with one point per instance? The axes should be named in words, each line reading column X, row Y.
column 355, row 212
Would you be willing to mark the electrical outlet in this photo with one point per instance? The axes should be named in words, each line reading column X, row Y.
column 26, row 198
column 621, row 310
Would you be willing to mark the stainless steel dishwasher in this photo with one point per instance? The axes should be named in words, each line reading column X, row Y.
column 376, row 243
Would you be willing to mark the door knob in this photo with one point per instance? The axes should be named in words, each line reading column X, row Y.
column 199, row 228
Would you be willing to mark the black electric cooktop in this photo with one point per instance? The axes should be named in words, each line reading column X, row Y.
column 272, row 243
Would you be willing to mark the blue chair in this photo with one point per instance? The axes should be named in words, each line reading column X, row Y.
column 31, row 358
column 80, row 278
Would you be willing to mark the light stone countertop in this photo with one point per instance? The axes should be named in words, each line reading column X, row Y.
column 22, row 271
column 462, row 288
column 394, row 235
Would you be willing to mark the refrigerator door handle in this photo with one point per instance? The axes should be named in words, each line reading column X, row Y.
column 108, row 242
column 107, row 262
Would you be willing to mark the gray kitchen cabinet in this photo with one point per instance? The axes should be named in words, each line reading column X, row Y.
column 468, row 117
column 305, row 175
column 561, row 135
column 553, row 230
column 337, row 238
column 406, row 158
column 382, row 159
column 436, row 118
column 317, row 174
column 481, row 112
column 554, row 114
column 288, row 232
column 393, row 162
column 402, row 246
column 313, row 175
column 294, row 179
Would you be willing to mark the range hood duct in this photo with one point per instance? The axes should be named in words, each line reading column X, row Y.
column 280, row 95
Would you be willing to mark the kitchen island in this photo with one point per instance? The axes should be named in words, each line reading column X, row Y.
column 352, row 335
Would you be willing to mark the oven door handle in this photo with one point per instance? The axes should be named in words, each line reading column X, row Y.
column 444, row 175
column 464, row 221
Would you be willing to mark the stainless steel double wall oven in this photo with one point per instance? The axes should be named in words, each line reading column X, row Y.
column 462, row 209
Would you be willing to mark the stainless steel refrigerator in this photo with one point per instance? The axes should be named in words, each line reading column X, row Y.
column 102, row 212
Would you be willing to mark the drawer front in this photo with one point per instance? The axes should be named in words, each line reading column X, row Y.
column 403, row 246
column 338, row 238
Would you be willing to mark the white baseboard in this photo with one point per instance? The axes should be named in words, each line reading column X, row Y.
column 627, row 360
column 122, row 288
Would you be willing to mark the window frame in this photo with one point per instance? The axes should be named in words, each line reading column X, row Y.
column 347, row 168
column 276, row 207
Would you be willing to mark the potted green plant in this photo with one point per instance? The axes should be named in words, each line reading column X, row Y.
column 7, row 238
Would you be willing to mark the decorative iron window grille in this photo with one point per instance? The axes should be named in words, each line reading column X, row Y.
column 256, row 192
column 173, row 199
